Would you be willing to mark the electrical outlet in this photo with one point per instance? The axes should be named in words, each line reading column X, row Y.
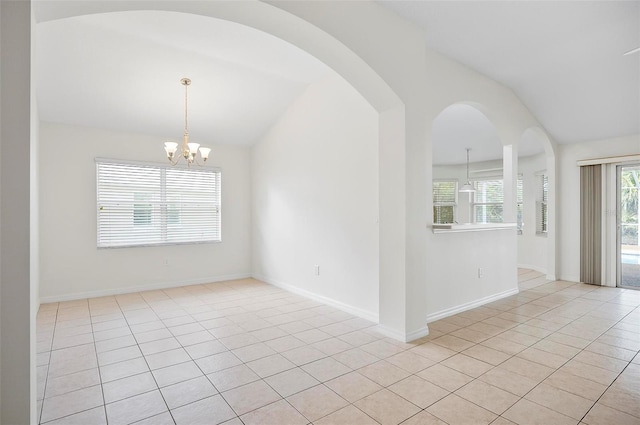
column 166, row 261
column 480, row 273
column 316, row 270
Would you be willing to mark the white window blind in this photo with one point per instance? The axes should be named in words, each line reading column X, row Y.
column 519, row 204
column 488, row 201
column 140, row 204
column 541, row 203
column 445, row 197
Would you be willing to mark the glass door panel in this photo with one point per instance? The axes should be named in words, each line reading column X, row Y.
column 628, row 229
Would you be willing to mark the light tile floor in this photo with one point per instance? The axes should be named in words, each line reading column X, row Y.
column 244, row 352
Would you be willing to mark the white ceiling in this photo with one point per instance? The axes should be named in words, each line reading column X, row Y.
column 122, row 71
column 564, row 59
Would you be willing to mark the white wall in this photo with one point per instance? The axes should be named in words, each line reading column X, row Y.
column 569, row 195
column 315, row 198
column 72, row 266
column 475, row 268
column 532, row 248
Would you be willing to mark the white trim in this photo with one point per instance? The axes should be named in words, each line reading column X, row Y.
column 608, row 160
column 532, row 267
column 141, row 288
column 391, row 333
column 418, row 333
column 551, row 277
column 399, row 336
column 570, row 278
column 356, row 311
column 472, row 227
column 165, row 165
column 468, row 306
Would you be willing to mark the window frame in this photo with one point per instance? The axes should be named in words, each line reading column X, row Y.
column 453, row 204
column 160, row 214
column 520, row 204
column 475, row 194
column 542, row 203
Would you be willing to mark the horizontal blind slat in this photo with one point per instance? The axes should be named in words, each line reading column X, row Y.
column 153, row 205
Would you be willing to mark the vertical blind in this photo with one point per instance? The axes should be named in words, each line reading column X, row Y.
column 141, row 204
column 444, row 201
column 591, row 224
column 542, row 215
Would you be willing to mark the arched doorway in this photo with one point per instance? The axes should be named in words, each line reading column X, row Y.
column 536, row 168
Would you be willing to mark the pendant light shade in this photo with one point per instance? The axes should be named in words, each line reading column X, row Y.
column 467, row 187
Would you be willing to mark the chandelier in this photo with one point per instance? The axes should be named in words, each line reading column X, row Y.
column 188, row 150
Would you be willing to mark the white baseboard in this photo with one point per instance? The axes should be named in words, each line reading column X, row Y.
column 391, row 333
column 534, row 268
column 468, row 306
column 551, row 277
column 570, row 278
column 401, row 336
column 140, row 288
column 356, row 311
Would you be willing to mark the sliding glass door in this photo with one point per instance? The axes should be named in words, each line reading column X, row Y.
column 628, row 229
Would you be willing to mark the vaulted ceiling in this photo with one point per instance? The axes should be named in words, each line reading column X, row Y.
column 564, row 60
column 122, row 71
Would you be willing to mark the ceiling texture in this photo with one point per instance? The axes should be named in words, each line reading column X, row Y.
column 122, row 71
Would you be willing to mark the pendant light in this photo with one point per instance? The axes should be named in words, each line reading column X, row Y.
column 467, row 187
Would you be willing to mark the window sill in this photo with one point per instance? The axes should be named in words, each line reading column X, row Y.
column 472, row 227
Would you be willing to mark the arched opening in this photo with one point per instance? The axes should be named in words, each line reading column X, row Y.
column 536, row 203
column 349, row 65
column 457, row 128
column 475, row 260
column 276, row 22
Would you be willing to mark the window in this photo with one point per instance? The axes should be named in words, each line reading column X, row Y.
column 142, row 209
column 487, row 201
column 445, row 197
column 142, row 204
column 542, row 218
column 519, row 203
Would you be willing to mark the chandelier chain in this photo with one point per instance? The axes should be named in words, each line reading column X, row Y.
column 186, row 106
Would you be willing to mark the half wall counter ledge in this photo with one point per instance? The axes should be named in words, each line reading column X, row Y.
column 471, row 227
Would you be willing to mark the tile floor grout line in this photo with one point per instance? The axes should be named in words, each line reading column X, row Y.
column 515, row 355
column 572, row 358
column 46, row 380
column 149, row 371
column 104, row 401
column 320, row 310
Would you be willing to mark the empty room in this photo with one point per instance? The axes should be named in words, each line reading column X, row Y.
column 319, row 212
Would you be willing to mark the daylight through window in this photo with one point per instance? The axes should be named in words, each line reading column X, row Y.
column 141, row 204
column 445, row 197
